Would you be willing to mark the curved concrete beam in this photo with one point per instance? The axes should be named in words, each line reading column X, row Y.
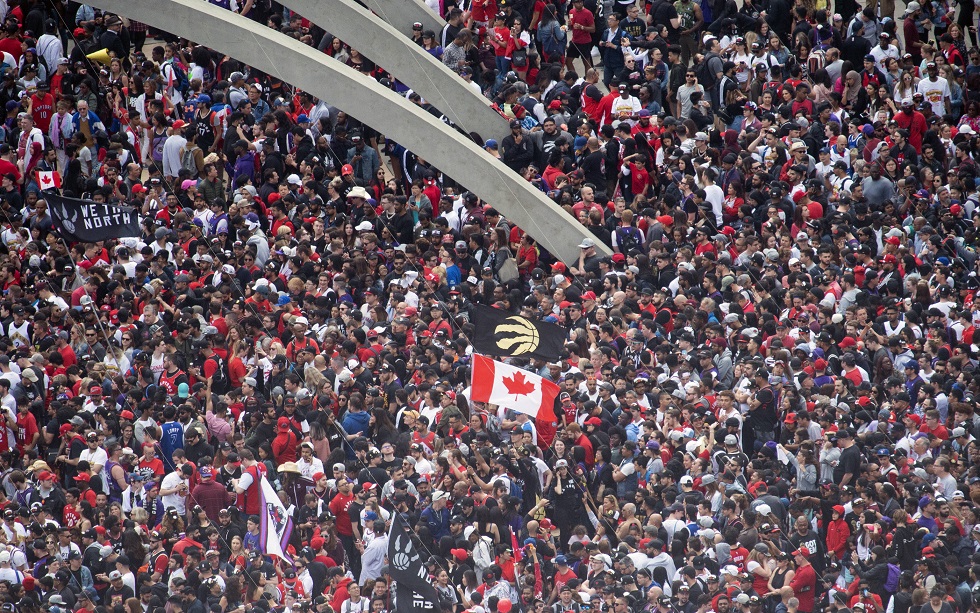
column 292, row 61
column 403, row 13
column 408, row 62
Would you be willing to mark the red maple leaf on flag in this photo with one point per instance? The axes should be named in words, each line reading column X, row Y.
column 518, row 385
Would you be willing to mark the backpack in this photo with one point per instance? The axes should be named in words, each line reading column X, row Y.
column 628, row 238
column 181, row 82
column 706, row 78
column 515, row 488
column 187, row 161
column 220, row 381
column 482, row 556
column 891, row 583
column 552, row 40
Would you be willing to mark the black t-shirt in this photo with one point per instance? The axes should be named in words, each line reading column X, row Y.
column 723, row 457
column 400, row 226
column 764, row 416
column 811, row 541
column 354, row 512
column 373, row 474
column 592, row 168
column 663, row 12
column 850, row 462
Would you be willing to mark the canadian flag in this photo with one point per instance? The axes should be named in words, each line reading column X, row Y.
column 513, row 388
column 48, row 179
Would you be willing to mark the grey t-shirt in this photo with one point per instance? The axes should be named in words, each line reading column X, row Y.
column 878, row 192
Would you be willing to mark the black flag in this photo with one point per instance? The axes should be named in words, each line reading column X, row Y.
column 414, row 593
column 499, row 333
column 88, row 222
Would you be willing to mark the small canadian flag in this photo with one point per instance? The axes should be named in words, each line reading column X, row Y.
column 48, row 179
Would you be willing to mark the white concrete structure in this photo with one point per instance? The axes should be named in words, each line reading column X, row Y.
column 315, row 72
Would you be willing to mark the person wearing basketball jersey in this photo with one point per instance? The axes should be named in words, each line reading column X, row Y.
column 247, row 486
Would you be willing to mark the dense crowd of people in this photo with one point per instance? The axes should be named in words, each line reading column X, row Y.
column 768, row 392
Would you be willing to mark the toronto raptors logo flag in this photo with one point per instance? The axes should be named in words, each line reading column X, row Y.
column 414, row 592
column 499, row 333
column 275, row 524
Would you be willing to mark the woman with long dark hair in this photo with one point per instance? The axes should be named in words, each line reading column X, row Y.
column 381, row 427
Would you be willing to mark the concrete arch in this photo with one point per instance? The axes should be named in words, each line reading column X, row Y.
column 296, row 63
column 440, row 86
column 403, row 13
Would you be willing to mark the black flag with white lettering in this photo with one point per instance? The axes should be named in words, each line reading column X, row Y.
column 88, row 222
column 414, row 594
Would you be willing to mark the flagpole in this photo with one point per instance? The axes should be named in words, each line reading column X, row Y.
column 98, row 319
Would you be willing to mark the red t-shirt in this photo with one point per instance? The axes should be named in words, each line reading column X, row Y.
column 26, row 429
column 500, row 38
column 68, row 356
column 804, row 587
column 338, row 506
column 154, row 465
column 7, row 168
column 483, row 10
column 585, row 18
column 940, row 431
column 563, row 578
column 12, row 46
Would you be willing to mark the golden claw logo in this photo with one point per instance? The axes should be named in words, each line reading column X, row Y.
column 516, row 336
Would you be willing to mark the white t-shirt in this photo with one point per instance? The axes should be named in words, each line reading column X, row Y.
column 11, row 575
column 716, row 196
column 175, row 500
column 935, row 93
column 308, row 469
column 97, row 457
column 15, row 533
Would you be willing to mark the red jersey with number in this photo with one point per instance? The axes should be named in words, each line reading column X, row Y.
column 26, row 429
column 70, row 517
column 42, row 110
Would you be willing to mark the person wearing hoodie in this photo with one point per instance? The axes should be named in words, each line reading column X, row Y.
column 660, row 558
column 837, row 533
